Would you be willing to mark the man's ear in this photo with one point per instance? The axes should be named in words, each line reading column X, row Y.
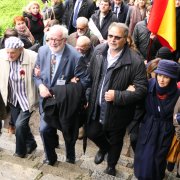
column 21, row 49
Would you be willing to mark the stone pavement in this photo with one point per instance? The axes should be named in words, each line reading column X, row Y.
column 32, row 168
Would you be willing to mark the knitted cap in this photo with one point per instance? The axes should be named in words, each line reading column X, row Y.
column 164, row 53
column 167, row 68
column 13, row 43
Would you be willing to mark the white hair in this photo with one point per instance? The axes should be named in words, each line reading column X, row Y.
column 59, row 28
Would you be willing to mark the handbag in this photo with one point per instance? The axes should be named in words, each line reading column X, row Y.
column 174, row 150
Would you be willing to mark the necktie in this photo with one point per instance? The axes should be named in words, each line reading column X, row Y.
column 101, row 23
column 76, row 14
column 116, row 11
column 53, row 65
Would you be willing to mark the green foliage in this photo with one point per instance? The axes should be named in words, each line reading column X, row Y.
column 10, row 9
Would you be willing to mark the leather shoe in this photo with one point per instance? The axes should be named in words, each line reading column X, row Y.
column 31, row 148
column 71, row 161
column 110, row 170
column 51, row 163
column 99, row 158
column 19, row 155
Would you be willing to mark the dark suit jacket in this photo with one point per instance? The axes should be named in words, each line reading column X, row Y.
column 86, row 10
column 71, row 64
column 123, row 13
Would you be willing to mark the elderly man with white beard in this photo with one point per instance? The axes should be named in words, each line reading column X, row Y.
column 82, row 30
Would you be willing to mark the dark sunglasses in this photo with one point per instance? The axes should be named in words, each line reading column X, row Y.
column 115, row 37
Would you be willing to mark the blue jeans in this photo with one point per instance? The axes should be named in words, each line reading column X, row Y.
column 24, row 137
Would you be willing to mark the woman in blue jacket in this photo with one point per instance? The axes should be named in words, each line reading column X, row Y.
column 157, row 130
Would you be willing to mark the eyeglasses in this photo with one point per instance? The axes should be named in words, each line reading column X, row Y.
column 81, row 29
column 55, row 40
column 115, row 37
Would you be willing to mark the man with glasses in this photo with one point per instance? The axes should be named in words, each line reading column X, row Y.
column 118, row 83
column 82, row 30
column 58, row 63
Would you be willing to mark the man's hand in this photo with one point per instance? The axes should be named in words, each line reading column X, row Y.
column 44, row 91
column 74, row 79
column 152, row 36
column 131, row 88
column 110, row 95
column 37, row 71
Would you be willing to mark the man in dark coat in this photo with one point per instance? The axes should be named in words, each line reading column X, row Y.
column 103, row 17
column 120, row 9
column 75, row 9
column 145, row 41
column 114, row 67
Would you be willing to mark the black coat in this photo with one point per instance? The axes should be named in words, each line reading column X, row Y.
column 109, row 18
column 129, row 70
column 61, row 110
column 36, row 28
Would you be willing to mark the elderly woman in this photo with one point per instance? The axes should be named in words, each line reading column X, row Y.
column 156, row 129
column 34, row 21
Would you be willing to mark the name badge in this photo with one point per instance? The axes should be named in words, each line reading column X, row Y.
column 61, row 82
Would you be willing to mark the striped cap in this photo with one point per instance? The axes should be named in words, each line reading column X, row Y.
column 13, row 43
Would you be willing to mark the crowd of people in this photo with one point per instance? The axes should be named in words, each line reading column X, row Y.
column 95, row 70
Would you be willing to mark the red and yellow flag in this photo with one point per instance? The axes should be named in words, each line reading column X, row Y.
column 162, row 22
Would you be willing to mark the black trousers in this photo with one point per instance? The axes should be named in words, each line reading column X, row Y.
column 110, row 141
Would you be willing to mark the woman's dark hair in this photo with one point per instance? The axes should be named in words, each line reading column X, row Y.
column 10, row 32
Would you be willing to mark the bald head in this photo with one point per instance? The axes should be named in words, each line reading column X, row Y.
column 83, row 40
column 83, row 44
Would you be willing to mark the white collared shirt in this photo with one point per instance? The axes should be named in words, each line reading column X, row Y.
column 111, row 59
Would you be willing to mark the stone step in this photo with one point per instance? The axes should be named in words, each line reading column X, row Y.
column 12, row 171
column 84, row 168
